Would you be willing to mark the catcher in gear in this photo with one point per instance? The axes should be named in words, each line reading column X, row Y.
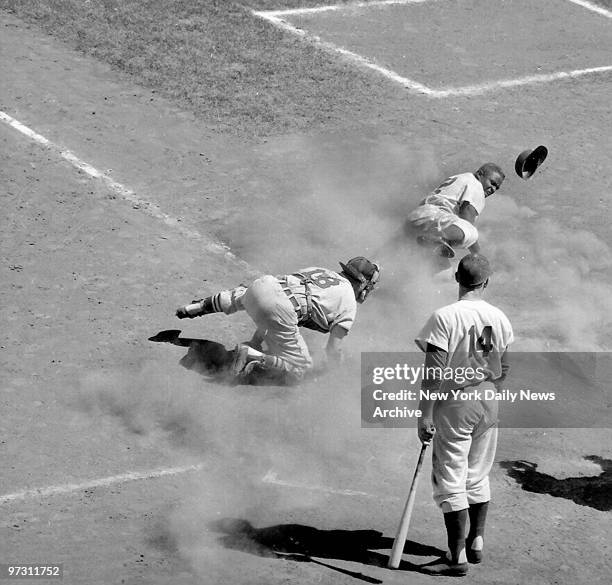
column 446, row 218
column 314, row 297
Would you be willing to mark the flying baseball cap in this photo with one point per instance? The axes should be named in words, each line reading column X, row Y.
column 473, row 270
column 529, row 160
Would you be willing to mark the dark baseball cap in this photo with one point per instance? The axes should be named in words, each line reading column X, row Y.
column 473, row 270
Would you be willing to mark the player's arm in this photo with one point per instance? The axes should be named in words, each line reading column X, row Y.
column 435, row 361
column 258, row 338
column 468, row 212
column 333, row 349
column 505, row 368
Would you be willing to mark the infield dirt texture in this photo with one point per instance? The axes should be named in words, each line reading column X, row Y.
column 211, row 125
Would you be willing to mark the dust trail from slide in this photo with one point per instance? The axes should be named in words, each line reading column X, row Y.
column 553, row 282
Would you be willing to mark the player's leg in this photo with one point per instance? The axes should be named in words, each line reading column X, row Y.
column 454, row 421
column 226, row 301
column 454, row 235
column 474, row 543
column 460, row 233
column 287, row 354
column 451, row 234
column 433, row 227
column 480, row 462
column 257, row 339
column 451, row 446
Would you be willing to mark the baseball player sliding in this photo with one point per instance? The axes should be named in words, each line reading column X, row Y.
column 446, row 218
column 470, row 333
column 314, row 297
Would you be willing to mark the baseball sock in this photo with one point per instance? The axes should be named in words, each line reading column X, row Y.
column 211, row 304
column 288, row 373
column 255, row 355
column 273, row 362
column 456, row 565
column 475, row 538
column 455, row 523
column 270, row 362
column 198, row 308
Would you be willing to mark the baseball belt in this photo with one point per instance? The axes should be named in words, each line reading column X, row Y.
column 303, row 311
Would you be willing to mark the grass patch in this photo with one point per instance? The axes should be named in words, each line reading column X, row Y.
column 213, row 57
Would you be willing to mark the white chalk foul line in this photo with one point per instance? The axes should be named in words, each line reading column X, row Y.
column 352, row 5
column 509, row 83
column 127, row 194
column 272, row 478
column 275, row 17
column 593, row 7
column 337, row 7
column 349, row 55
column 68, row 488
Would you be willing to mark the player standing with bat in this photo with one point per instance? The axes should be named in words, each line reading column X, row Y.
column 468, row 333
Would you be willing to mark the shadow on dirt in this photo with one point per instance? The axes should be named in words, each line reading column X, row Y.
column 208, row 358
column 594, row 491
column 300, row 543
column 214, row 361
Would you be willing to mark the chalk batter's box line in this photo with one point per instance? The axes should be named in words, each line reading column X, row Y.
column 276, row 17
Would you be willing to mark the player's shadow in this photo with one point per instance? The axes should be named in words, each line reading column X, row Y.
column 302, row 543
column 213, row 360
column 208, row 358
column 593, row 491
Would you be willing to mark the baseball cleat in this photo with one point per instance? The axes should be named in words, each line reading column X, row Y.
column 440, row 247
column 473, row 550
column 474, row 556
column 444, row 567
column 444, row 250
column 195, row 309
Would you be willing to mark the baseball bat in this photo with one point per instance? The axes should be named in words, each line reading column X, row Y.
column 402, row 530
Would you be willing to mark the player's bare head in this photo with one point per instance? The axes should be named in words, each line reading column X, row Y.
column 491, row 177
column 473, row 272
column 362, row 274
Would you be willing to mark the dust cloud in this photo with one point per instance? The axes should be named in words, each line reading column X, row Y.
column 551, row 279
column 271, row 451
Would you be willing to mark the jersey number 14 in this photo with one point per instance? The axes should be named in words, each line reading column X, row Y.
column 482, row 343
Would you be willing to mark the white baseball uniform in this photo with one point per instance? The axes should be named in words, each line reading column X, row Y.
column 440, row 208
column 314, row 297
column 474, row 334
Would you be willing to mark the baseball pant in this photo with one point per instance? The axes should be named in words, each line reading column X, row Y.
column 432, row 220
column 463, row 452
column 273, row 313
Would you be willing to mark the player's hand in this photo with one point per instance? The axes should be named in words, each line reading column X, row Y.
column 426, row 430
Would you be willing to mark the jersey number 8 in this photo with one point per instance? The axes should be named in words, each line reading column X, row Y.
column 321, row 279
